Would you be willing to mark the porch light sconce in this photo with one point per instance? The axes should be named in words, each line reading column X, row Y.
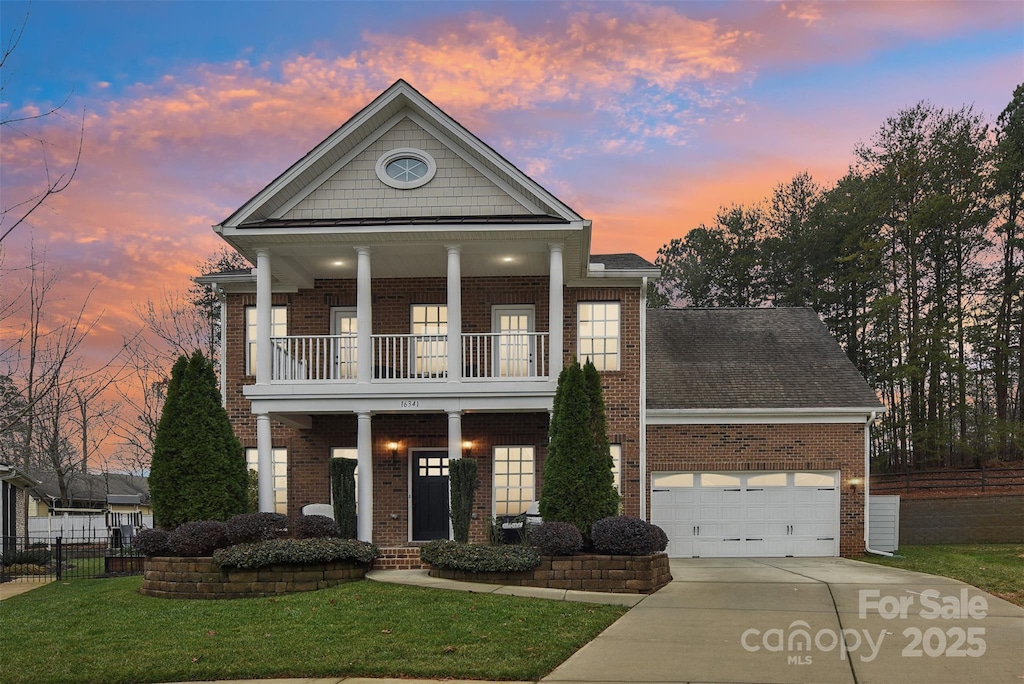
column 393, row 448
column 467, row 447
column 854, row 482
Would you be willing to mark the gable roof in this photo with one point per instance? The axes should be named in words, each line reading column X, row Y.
column 94, row 488
column 389, row 107
column 734, row 358
column 622, row 262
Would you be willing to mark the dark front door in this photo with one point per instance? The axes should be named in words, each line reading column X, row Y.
column 429, row 495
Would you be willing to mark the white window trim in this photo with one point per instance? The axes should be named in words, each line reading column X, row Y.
column 618, row 335
column 399, row 153
column 494, row 475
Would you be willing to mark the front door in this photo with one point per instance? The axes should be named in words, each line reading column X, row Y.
column 429, row 494
column 514, row 345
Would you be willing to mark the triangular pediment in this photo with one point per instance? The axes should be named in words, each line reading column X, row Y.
column 340, row 179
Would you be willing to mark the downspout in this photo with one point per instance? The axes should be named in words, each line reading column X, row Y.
column 867, row 487
column 222, row 296
column 643, row 400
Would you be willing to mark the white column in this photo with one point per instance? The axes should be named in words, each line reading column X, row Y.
column 364, row 320
column 556, row 319
column 364, row 482
column 454, row 313
column 454, row 435
column 263, row 320
column 264, row 463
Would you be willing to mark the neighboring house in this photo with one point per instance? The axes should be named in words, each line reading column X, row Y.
column 414, row 299
column 89, row 493
column 13, row 485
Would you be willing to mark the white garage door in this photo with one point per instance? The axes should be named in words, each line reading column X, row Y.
column 747, row 514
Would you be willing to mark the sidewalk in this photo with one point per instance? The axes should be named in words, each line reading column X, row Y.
column 20, row 586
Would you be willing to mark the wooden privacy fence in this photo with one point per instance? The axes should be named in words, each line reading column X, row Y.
column 966, row 479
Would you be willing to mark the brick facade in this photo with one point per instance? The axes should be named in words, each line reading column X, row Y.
column 780, row 446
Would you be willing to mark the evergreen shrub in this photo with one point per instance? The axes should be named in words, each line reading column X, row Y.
column 296, row 552
column 462, row 476
column 343, row 488
column 254, row 527
column 556, row 538
column 153, row 542
column 199, row 538
column 315, row 527
column 451, row 555
column 627, row 536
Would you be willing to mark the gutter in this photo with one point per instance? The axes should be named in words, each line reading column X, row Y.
column 867, row 487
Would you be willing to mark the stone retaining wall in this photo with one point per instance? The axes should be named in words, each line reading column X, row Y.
column 201, row 578
column 585, row 572
column 963, row 520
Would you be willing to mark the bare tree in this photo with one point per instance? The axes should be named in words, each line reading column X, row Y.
column 55, row 181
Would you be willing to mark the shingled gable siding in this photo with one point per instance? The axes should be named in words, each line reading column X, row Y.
column 770, row 447
column 457, row 188
column 621, row 387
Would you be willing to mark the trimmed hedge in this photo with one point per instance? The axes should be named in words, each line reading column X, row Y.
column 199, row 538
column 315, row 527
column 343, row 487
column 463, row 481
column 556, row 538
column 295, row 551
column 628, row 536
column 451, row 555
column 155, row 542
column 253, row 527
column 27, row 557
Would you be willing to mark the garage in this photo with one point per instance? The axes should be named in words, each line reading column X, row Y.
column 747, row 514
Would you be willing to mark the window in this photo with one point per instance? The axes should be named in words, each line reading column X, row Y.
column 767, row 480
column 814, row 480
column 430, row 346
column 672, row 480
column 616, row 451
column 599, row 334
column 405, row 168
column 345, row 348
column 278, row 328
column 513, row 479
column 718, row 480
column 279, row 461
column 353, row 454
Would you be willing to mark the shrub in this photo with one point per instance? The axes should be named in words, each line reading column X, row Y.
column 463, row 480
column 26, row 569
column 629, row 536
column 296, row 551
column 556, row 538
column 452, row 555
column 153, row 543
column 343, row 487
column 27, row 557
column 254, row 527
column 315, row 527
column 199, row 538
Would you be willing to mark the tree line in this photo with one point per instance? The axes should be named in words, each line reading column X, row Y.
column 914, row 260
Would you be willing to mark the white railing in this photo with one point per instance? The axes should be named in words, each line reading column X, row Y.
column 485, row 356
column 313, row 357
column 504, row 355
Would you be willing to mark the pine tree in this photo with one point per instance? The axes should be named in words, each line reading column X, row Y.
column 577, row 476
column 198, row 470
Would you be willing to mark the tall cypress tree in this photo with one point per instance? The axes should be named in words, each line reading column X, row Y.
column 198, row 470
column 577, row 476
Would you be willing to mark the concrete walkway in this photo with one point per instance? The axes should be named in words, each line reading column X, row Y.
column 742, row 621
column 20, row 586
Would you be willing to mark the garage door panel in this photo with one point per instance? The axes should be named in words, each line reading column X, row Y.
column 763, row 521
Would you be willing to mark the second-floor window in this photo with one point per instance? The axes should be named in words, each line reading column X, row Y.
column 278, row 328
column 599, row 334
column 430, row 342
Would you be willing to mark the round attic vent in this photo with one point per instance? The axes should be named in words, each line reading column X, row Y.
column 405, row 168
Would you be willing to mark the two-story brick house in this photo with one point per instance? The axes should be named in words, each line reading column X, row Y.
column 413, row 300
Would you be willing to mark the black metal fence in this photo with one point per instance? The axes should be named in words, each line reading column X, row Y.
column 40, row 559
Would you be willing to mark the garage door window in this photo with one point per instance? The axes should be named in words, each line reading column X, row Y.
column 769, row 480
column 673, row 479
column 718, row 480
column 814, row 480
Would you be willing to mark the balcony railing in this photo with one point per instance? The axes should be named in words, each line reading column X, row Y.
column 485, row 356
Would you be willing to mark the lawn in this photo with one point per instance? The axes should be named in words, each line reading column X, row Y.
column 995, row 568
column 105, row 631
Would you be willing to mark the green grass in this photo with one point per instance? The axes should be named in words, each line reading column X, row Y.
column 995, row 568
column 105, row 631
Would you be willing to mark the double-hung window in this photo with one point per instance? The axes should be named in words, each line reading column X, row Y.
column 430, row 340
column 599, row 334
column 279, row 463
column 513, row 479
column 278, row 328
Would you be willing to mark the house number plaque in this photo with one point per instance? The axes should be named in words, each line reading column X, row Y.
column 410, row 403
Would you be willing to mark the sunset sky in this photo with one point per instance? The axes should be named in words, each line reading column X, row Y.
column 644, row 117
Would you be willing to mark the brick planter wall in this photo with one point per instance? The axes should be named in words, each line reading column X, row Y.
column 201, row 578
column 585, row 572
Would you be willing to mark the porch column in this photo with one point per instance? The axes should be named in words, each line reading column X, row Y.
column 364, row 482
column 556, row 319
column 263, row 308
column 364, row 320
column 454, row 435
column 454, row 313
column 264, row 463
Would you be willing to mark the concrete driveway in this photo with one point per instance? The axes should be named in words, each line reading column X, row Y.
column 813, row 620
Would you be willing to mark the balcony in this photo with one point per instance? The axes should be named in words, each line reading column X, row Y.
column 486, row 357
